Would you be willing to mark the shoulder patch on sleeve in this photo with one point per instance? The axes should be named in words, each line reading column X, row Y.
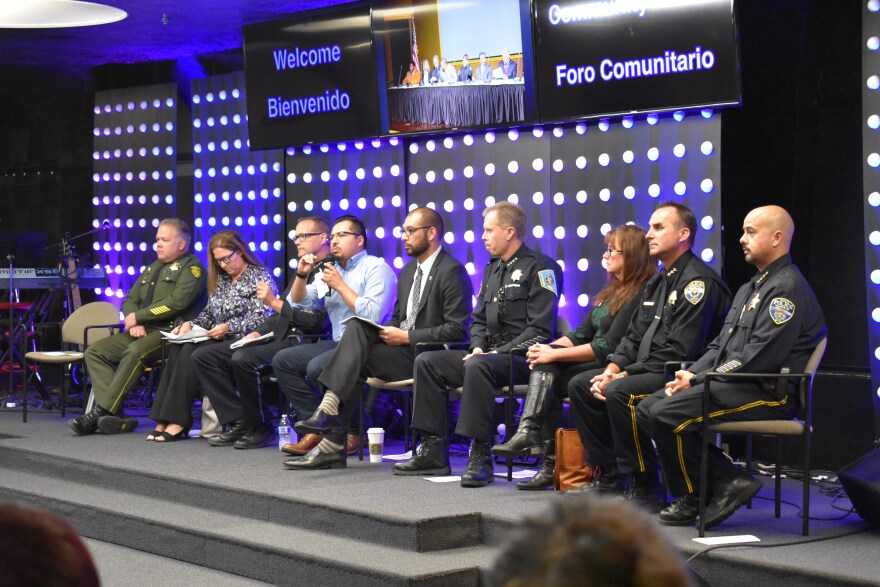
column 694, row 291
column 781, row 310
column 196, row 271
column 547, row 279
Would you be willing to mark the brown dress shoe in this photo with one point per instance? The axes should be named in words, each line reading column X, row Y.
column 351, row 444
column 306, row 443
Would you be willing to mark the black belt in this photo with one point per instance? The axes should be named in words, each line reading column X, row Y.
column 497, row 340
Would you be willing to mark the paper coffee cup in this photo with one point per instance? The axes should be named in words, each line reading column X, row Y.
column 376, row 439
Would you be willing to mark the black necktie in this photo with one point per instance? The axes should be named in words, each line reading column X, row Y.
column 659, row 305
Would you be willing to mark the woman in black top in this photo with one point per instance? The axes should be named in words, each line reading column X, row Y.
column 233, row 275
column 629, row 267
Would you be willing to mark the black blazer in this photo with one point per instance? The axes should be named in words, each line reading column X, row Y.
column 444, row 311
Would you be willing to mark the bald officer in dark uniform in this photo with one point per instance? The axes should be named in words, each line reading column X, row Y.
column 775, row 322
column 682, row 309
column 516, row 307
column 169, row 291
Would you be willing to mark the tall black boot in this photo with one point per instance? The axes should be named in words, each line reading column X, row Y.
column 527, row 438
column 88, row 422
column 544, row 478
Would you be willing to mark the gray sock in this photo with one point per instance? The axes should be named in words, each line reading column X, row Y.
column 330, row 403
column 328, row 446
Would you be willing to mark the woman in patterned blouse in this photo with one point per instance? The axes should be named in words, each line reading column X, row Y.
column 233, row 306
column 553, row 365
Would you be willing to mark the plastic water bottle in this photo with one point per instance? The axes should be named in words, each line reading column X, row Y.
column 283, row 431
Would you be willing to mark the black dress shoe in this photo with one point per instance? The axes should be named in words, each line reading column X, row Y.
column 644, row 491
column 229, row 437
column 543, row 479
column 682, row 512
column 320, row 423
column 608, row 483
column 430, row 458
column 480, row 471
column 116, row 424
column 88, row 422
column 728, row 495
column 315, row 459
column 257, row 437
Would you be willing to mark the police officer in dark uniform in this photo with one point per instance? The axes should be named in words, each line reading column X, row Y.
column 169, row 291
column 775, row 322
column 682, row 309
column 516, row 307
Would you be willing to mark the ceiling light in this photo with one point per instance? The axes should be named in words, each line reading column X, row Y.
column 41, row 14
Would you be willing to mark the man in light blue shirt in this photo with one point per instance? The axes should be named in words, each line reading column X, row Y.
column 353, row 283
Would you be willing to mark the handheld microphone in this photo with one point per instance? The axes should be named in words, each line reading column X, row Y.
column 328, row 260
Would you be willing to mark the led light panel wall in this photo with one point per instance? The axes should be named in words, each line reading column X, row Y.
column 363, row 178
column 576, row 182
column 871, row 178
column 235, row 188
column 134, row 181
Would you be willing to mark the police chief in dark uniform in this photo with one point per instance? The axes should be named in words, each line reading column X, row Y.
column 775, row 322
column 682, row 309
column 168, row 292
column 516, row 307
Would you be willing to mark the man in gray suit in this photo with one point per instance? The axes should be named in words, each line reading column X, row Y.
column 433, row 304
column 484, row 70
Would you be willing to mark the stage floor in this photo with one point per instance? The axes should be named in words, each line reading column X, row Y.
column 839, row 551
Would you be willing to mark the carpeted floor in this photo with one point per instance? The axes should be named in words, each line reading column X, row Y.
column 365, row 502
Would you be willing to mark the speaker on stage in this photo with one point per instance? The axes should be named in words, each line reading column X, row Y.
column 861, row 480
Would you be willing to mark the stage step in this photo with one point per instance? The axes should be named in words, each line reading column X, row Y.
column 208, row 535
column 432, row 532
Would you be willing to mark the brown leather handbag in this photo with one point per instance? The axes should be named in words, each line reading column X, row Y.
column 571, row 466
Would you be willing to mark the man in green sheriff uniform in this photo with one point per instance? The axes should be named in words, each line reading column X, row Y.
column 169, row 291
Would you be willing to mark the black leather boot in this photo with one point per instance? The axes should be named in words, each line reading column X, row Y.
column 88, row 422
column 544, row 477
column 430, row 458
column 527, row 438
column 480, row 471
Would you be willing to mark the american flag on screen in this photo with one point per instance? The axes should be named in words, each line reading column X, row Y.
column 415, row 45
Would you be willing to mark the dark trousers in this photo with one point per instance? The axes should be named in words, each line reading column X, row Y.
column 298, row 369
column 608, row 429
column 563, row 373
column 231, row 379
column 179, row 385
column 362, row 353
column 676, row 424
column 480, row 376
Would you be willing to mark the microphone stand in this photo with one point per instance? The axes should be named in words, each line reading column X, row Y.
column 399, row 76
column 11, row 259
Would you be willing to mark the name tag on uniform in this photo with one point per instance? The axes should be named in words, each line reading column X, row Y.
column 647, row 303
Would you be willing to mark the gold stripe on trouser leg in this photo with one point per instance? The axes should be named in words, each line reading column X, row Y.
column 742, row 408
column 130, row 376
column 635, row 428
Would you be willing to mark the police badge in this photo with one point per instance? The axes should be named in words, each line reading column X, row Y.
column 694, row 292
column 547, row 279
column 781, row 310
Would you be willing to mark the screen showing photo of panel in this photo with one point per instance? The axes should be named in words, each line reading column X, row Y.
column 597, row 58
column 310, row 79
column 451, row 64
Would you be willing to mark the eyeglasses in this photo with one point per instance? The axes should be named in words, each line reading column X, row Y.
column 301, row 237
column 228, row 258
column 609, row 251
column 342, row 233
column 408, row 231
